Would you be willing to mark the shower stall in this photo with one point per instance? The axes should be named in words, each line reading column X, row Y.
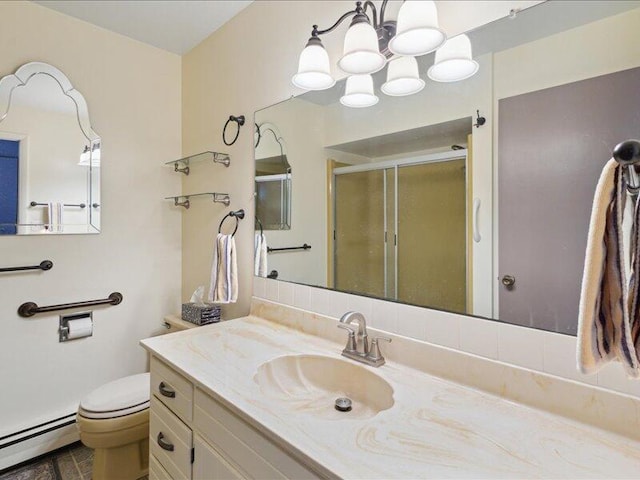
column 400, row 230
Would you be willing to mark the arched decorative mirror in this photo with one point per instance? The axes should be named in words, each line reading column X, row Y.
column 49, row 155
column 273, row 178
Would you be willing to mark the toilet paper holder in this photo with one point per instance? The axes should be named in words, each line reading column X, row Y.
column 65, row 331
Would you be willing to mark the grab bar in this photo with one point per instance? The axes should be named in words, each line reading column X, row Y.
column 44, row 265
column 303, row 247
column 30, row 309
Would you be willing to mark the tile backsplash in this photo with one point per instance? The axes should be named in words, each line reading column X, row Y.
column 537, row 350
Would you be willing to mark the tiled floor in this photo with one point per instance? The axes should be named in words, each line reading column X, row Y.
column 69, row 463
column 75, row 463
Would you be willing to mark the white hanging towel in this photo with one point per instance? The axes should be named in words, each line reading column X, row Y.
column 260, row 257
column 608, row 322
column 55, row 216
column 224, row 271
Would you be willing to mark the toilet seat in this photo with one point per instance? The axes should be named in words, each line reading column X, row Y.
column 119, row 398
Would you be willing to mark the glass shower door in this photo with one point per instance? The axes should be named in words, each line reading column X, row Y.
column 401, row 233
column 359, row 260
column 432, row 238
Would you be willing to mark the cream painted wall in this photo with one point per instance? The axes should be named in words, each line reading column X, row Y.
column 560, row 59
column 243, row 67
column 133, row 93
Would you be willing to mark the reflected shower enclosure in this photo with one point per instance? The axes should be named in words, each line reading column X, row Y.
column 400, row 230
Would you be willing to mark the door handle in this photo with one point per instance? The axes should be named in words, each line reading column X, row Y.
column 165, row 391
column 508, row 281
column 476, row 226
column 164, row 444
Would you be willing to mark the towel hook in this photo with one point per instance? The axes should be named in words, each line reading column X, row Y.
column 238, row 215
column 260, row 225
column 627, row 154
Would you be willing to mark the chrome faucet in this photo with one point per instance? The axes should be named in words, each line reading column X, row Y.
column 358, row 342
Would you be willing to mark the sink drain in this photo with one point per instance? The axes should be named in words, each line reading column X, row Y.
column 343, row 404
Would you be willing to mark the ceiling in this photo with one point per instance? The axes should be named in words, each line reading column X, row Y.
column 413, row 140
column 173, row 25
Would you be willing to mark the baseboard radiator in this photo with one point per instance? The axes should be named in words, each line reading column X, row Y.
column 37, row 440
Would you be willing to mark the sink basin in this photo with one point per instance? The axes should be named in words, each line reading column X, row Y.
column 310, row 384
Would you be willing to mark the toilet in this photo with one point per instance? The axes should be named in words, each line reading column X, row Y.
column 114, row 421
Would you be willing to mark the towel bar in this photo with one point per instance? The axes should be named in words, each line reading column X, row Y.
column 303, row 247
column 30, row 309
column 44, row 265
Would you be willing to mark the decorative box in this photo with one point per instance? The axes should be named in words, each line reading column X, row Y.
column 201, row 314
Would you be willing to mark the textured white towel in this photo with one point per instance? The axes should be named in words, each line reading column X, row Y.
column 55, row 216
column 607, row 328
column 224, row 271
column 260, row 255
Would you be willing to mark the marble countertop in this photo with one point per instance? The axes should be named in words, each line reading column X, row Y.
column 436, row 428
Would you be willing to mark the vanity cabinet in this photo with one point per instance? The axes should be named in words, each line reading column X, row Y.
column 194, row 436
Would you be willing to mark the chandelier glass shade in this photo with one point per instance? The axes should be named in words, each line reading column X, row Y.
column 314, row 71
column 453, row 61
column 403, row 77
column 358, row 92
column 360, row 53
column 417, row 31
column 90, row 156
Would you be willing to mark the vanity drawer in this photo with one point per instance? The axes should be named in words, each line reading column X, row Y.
column 210, row 464
column 156, row 470
column 243, row 446
column 170, row 441
column 172, row 389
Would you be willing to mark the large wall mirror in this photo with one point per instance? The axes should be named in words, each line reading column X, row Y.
column 415, row 200
column 49, row 155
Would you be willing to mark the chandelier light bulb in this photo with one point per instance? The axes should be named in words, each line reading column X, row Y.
column 453, row 61
column 417, row 31
column 403, row 77
column 314, row 72
column 361, row 54
column 358, row 92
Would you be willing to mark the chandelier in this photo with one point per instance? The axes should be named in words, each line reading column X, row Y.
column 369, row 46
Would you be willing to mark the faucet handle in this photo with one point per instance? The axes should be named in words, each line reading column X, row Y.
column 351, row 341
column 381, row 337
column 375, row 354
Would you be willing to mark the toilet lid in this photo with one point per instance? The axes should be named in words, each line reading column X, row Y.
column 118, row 398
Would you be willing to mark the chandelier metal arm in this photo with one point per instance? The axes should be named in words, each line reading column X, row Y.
column 369, row 3
column 360, row 9
column 382, row 10
column 315, row 32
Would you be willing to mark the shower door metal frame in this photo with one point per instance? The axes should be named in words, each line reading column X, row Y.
column 385, row 166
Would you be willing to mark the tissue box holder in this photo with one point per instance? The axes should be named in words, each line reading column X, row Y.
column 201, row 314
